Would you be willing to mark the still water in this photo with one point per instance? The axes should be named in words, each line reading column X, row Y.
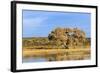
column 32, row 59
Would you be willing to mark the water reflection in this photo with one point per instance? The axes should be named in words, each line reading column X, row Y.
column 60, row 56
column 55, row 58
column 33, row 59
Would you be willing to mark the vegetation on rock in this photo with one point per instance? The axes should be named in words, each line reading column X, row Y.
column 68, row 38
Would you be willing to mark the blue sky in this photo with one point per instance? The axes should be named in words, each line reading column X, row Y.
column 41, row 23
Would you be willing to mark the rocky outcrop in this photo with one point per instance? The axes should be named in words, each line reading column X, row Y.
column 67, row 37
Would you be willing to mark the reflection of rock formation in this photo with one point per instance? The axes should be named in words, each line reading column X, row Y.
column 68, row 38
column 58, row 54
